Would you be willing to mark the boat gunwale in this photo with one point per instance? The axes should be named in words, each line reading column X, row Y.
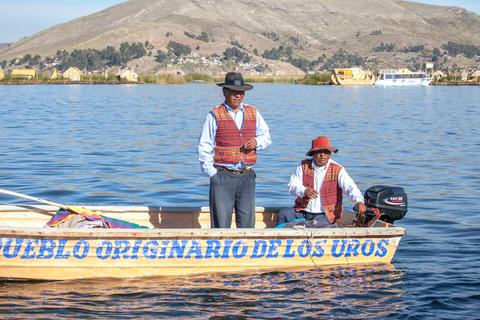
column 182, row 233
column 170, row 233
column 120, row 209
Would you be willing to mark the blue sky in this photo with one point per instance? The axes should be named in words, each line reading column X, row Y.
column 21, row 18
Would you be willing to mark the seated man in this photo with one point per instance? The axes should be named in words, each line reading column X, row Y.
column 319, row 184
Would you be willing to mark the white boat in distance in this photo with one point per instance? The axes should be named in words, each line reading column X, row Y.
column 402, row 77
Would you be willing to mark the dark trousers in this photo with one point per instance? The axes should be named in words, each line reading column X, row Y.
column 230, row 191
column 289, row 214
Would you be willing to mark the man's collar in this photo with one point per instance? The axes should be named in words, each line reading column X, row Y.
column 315, row 166
column 230, row 108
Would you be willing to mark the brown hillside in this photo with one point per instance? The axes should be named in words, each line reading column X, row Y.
column 311, row 28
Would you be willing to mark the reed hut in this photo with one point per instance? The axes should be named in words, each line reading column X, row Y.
column 28, row 74
column 475, row 76
column 73, row 74
column 54, row 74
column 438, row 75
column 2, row 74
column 128, row 75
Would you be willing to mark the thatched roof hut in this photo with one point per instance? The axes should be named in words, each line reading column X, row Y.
column 128, row 75
column 475, row 76
column 24, row 73
column 54, row 74
column 2, row 74
column 73, row 74
column 437, row 75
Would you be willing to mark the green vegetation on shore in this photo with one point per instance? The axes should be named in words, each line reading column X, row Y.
column 318, row 78
column 322, row 78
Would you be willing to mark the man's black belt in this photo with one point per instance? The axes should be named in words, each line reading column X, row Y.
column 314, row 213
column 239, row 171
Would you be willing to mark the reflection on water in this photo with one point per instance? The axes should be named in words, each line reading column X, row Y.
column 369, row 291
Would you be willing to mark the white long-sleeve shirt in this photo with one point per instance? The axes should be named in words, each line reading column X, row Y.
column 206, row 143
column 346, row 183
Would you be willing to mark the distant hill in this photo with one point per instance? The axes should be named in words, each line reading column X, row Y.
column 378, row 32
column 4, row 45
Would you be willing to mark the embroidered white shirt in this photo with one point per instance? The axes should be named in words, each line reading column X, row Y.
column 346, row 183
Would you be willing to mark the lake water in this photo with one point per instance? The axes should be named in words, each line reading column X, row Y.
column 136, row 145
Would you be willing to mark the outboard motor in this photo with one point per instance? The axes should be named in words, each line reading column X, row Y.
column 384, row 203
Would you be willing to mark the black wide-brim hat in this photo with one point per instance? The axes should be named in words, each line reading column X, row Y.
column 234, row 81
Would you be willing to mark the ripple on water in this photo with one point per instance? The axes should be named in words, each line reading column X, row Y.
column 284, row 294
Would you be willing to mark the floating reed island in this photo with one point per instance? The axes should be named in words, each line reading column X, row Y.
column 324, row 78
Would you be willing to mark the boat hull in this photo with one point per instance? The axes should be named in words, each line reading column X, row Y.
column 62, row 254
column 402, row 77
column 404, row 82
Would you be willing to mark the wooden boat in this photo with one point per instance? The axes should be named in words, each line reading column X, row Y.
column 352, row 76
column 180, row 242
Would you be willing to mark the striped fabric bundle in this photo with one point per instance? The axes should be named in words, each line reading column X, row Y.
column 93, row 219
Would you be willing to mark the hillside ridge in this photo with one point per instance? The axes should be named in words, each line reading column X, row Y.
column 379, row 31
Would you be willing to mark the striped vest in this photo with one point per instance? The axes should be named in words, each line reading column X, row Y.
column 330, row 192
column 228, row 139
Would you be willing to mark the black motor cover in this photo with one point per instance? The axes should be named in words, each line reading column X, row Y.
column 386, row 203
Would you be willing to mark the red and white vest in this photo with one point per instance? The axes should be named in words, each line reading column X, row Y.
column 330, row 192
column 229, row 139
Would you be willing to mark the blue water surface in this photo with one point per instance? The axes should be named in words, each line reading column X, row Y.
column 137, row 145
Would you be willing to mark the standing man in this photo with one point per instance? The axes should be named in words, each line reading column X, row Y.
column 231, row 136
column 319, row 184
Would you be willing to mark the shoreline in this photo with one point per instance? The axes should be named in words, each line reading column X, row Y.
column 459, row 83
column 40, row 82
column 114, row 82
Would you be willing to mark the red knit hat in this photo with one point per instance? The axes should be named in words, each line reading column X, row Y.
column 321, row 143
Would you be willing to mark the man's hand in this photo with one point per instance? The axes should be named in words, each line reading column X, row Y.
column 250, row 144
column 361, row 209
column 311, row 193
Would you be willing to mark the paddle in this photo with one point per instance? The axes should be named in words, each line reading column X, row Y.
column 88, row 214
column 21, row 195
column 74, row 209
